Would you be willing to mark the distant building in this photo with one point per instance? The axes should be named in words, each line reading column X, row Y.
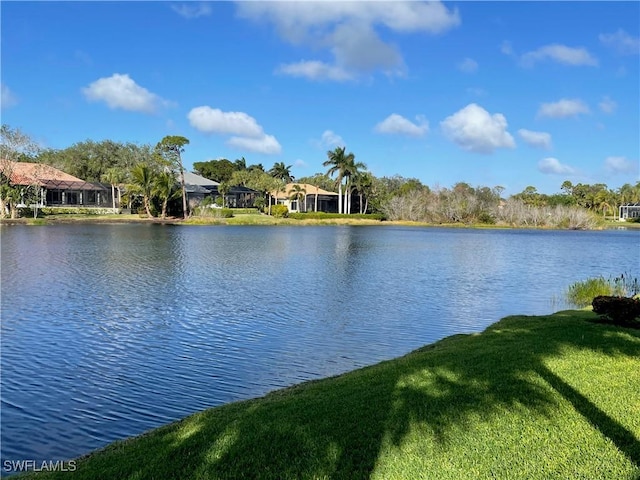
column 630, row 210
column 55, row 187
column 198, row 188
column 314, row 199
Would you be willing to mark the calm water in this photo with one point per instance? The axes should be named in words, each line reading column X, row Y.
column 110, row 330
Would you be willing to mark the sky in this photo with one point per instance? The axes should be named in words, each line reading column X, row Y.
column 509, row 94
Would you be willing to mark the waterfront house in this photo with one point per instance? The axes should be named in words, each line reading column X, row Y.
column 52, row 187
column 629, row 211
column 198, row 188
column 314, row 199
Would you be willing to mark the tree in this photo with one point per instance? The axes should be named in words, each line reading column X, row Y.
column 218, row 170
column 165, row 187
column 224, row 189
column 363, row 185
column 240, row 164
column 171, row 148
column 299, row 194
column 352, row 168
column 338, row 161
column 114, row 176
column 15, row 146
column 143, row 183
column 281, row 172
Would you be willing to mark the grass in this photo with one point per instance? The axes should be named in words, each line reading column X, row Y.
column 531, row 397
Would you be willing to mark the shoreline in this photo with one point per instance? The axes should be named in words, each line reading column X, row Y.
column 265, row 220
column 464, row 386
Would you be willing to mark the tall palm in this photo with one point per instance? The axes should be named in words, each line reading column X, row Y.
column 166, row 188
column 337, row 161
column 114, row 176
column 142, row 178
column 281, row 172
column 363, row 184
column 299, row 194
column 352, row 168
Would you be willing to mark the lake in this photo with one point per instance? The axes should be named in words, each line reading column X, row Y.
column 110, row 330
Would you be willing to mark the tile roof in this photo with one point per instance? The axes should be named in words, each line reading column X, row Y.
column 25, row 173
column 310, row 189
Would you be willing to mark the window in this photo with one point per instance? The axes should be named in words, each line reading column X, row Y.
column 54, row 197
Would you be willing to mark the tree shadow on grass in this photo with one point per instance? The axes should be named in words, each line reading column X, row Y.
column 337, row 428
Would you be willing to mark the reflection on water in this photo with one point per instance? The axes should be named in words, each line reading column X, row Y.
column 109, row 330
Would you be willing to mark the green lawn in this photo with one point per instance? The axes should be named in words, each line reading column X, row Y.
column 530, row 398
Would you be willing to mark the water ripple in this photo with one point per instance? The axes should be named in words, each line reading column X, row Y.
column 108, row 331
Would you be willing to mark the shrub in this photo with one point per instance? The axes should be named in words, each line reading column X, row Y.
column 279, row 211
column 623, row 311
column 581, row 294
column 210, row 212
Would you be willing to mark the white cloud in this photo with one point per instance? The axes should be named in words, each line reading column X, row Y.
column 214, row 120
column 192, row 10
column 563, row 108
column 561, row 54
column 315, row 70
column 620, row 165
column 7, row 98
column 468, row 65
column 358, row 47
column 535, row 139
column 506, row 48
column 330, row 139
column 396, row 124
column 266, row 144
column 120, row 91
column 552, row 166
column 475, row 130
column 348, row 30
column 607, row 105
column 246, row 133
column 622, row 42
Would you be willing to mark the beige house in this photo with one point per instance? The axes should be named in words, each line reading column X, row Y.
column 312, row 198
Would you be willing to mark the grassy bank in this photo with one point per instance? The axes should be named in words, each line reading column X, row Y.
column 531, row 397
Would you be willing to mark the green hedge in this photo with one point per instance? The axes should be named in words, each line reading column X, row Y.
column 74, row 211
column 213, row 212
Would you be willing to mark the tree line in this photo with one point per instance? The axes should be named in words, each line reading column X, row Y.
column 154, row 176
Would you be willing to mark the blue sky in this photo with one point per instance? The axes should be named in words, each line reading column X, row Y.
column 489, row 93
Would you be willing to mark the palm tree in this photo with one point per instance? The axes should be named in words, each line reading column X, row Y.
column 299, row 194
column 165, row 187
column 363, row 184
column 281, row 172
column 114, row 176
column 142, row 177
column 351, row 170
column 224, row 188
column 337, row 161
column 170, row 148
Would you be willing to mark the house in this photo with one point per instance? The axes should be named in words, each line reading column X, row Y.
column 630, row 210
column 198, row 188
column 52, row 187
column 314, row 199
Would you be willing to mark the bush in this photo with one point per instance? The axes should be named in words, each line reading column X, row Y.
column 210, row 212
column 623, row 311
column 75, row 211
column 581, row 294
column 279, row 211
